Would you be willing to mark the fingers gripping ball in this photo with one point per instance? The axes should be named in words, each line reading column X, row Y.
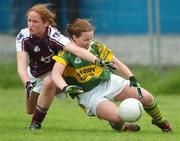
column 130, row 110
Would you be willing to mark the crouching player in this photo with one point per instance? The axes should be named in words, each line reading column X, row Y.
column 100, row 86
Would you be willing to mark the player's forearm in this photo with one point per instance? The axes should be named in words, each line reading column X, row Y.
column 22, row 66
column 80, row 52
column 125, row 71
column 86, row 55
column 22, row 71
column 59, row 81
column 122, row 68
column 57, row 76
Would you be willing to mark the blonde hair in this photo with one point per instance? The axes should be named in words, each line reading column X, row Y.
column 44, row 12
column 78, row 26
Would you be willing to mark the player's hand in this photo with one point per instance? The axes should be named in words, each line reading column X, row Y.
column 73, row 90
column 134, row 83
column 105, row 64
column 29, row 87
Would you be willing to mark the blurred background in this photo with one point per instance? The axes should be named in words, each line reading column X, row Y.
column 140, row 32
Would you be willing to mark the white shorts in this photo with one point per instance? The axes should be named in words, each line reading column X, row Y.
column 104, row 91
column 38, row 80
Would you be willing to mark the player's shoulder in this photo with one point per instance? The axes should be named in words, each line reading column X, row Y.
column 56, row 36
column 53, row 32
column 23, row 34
column 97, row 44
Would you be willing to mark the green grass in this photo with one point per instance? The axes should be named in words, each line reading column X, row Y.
column 165, row 82
column 65, row 121
column 9, row 76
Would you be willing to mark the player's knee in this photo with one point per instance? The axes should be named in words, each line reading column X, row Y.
column 115, row 119
column 148, row 100
column 48, row 83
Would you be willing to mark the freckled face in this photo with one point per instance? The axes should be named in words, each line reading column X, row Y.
column 84, row 40
column 35, row 24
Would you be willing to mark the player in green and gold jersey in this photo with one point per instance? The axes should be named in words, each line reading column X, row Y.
column 101, row 87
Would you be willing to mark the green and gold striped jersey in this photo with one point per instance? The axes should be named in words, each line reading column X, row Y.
column 83, row 73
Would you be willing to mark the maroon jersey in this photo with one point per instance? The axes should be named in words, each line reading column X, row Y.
column 40, row 51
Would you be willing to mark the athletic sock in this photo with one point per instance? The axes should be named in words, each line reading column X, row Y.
column 154, row 111
column 39, row 114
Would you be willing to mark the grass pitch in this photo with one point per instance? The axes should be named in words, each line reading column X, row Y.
column 67, row 122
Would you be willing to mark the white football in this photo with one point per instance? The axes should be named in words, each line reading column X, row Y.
column 130, row 110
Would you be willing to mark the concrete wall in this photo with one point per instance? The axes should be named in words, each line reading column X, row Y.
column 129, row 49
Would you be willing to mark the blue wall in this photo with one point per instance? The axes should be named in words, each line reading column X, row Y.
column 115, row 16
column 170, row 16
column 5, row 15
column 131, row 16
column 13, row 14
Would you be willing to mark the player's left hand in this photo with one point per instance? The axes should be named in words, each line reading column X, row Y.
column 29, row 87
column 134, row 83
column 73, row 90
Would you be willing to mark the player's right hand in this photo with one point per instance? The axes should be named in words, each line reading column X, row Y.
column 73, row 90
column 29, row 87
column 105, row 64
column 109, row 65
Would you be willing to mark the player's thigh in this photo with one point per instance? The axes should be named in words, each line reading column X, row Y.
column 31, row 102
column 131, row 92
column 127, row 92
column 48, row 82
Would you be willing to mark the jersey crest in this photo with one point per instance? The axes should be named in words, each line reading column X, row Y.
column 77, row 60
column 37, row 49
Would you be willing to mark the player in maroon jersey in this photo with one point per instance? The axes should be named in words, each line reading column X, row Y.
column 35, row 46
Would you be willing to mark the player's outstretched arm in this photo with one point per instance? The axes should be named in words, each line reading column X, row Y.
column 80, row 52
column 121, row 68
column 22, row 66
column 57, row 72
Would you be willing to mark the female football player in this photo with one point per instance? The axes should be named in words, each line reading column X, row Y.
column 100, row 86
column 35, row 46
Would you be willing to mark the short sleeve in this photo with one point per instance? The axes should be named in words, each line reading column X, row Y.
column 62, row 57
column 59, row 38
column 21, row 37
